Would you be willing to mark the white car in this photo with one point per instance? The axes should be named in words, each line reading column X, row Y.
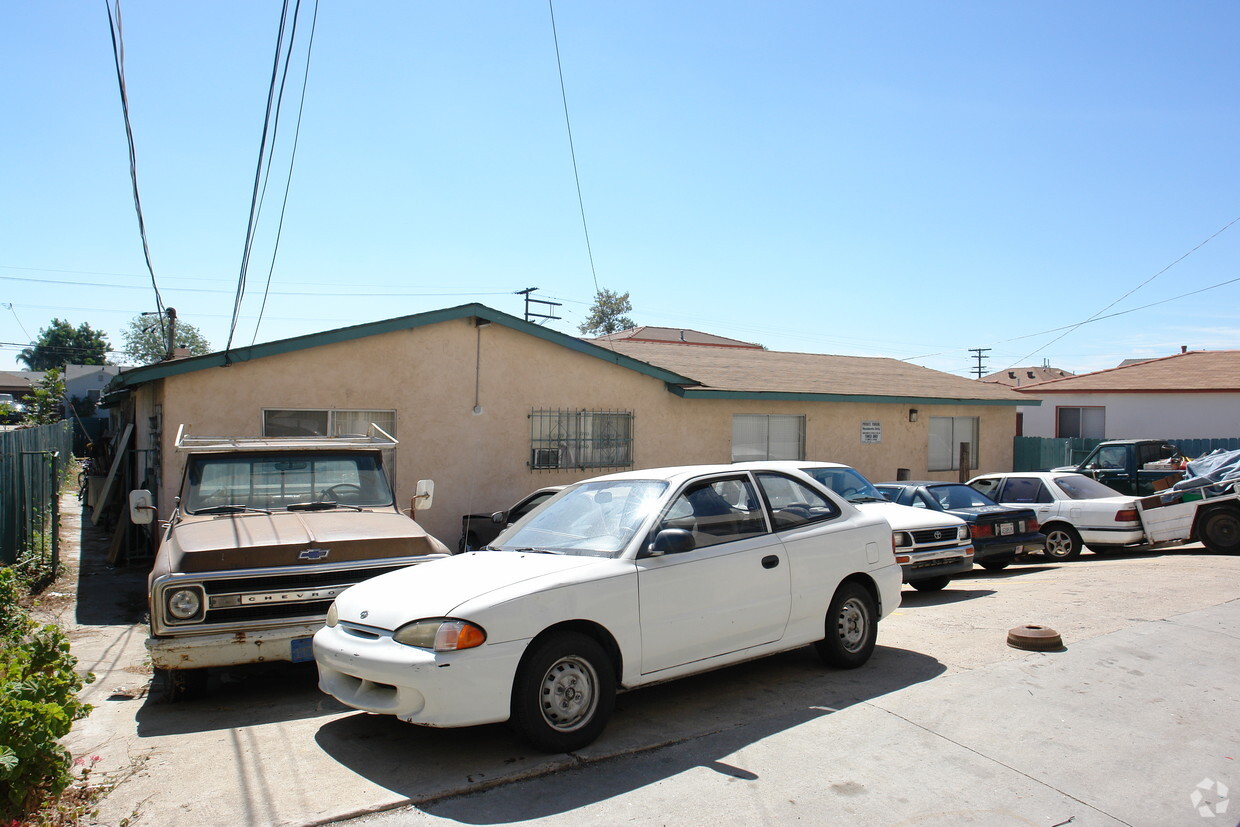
column 1073, row 509
column 616, row 582
column 931, row 547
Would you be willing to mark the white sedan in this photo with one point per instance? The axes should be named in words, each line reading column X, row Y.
column 616, row 582
column 1073, row 509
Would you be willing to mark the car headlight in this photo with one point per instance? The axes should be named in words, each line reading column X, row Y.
column 184, row 604
column 333, row 616
column 441, row 634
column 902, row 539
column 962, row 532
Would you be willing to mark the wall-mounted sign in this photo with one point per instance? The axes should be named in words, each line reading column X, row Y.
column 871, row 433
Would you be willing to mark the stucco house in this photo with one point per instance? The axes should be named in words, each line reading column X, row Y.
column 1190, row 395
column 491, row 407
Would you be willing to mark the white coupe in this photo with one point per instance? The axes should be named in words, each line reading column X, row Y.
column 617, row 582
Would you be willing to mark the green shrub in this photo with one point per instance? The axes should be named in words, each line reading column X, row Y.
column 38, row 705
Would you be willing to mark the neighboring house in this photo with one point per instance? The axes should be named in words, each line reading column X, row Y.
column 88, row 382
column 491, row 407
column 1018, row 377
column 19, row 383
column 1190, row 395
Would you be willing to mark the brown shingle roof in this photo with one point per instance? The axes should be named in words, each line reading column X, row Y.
column 1013, row 377
column 1198, row 371
column 678, row 335
column 740, row 370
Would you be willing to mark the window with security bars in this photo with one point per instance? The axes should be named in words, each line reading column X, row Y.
column 581, row 439
column 310, row 422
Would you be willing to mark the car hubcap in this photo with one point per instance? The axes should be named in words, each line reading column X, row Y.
column 1058, row 544
column 852, row 626
column 569, row 694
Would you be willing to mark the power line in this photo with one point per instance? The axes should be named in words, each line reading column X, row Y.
column 118, row 54
column 571, row 148
column 263, row 152
column 288, row 182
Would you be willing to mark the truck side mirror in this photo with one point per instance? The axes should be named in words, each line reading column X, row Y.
column 423, row 495
column 141, row 507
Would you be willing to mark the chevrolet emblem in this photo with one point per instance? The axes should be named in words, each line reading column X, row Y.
column 314, row 553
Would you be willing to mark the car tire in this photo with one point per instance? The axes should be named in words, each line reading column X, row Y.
column 564, row 692
column 931, row 584
column 996, row 565
column 1062, row 542
column 182, row 684
column 1219, row 531
column 851, row 628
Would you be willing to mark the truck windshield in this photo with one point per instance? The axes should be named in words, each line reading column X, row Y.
column 277, row 482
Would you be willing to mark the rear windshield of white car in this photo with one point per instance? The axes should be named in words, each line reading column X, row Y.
column 1081, row 487
column 595, row 519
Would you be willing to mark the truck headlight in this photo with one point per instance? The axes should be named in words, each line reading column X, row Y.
column 441, row 634
column 962, row 532
column 184, row 604
column 901, row 539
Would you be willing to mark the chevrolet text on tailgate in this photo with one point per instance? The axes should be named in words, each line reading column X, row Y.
column 266, row 533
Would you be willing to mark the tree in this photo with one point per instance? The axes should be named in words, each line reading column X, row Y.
column 44, row 405
column 607, row 314
column 146, row 342
column 60, row 343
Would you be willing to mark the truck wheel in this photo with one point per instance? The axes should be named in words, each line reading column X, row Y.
column 996, row 565
column 1062, row 542
column 564, row 693
column 182, row 684
column 931, row 584
column 1219, row 531
column 851, row 628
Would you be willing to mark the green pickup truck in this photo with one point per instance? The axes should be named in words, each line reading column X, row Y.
column 1133, row 466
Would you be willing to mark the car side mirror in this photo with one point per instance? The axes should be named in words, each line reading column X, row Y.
column 670, row 541
column 141, row 507
column 499, row 517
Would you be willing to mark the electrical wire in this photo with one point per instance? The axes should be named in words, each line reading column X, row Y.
column 293, row 155
column 118, row 54
column 571, row 148
column 263, row 151
column 1098, row 315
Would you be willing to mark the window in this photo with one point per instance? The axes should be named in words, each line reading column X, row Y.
column 716, row 511
column 581, row 439
column 325, row 423
column 763, row 436
column 1024, row 490
column 946, row 435
column 793, row 503
column 1085, row 423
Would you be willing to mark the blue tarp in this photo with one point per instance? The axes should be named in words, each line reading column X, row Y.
column 1213, row 474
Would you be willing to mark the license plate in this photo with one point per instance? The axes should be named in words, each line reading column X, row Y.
column 302, row 650
column 1006, row 529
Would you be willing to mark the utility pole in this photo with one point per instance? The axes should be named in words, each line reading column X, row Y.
column 980, row 370
column 531, row 313
column 172, row 332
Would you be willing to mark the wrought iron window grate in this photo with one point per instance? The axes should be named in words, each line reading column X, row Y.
column 580, row 439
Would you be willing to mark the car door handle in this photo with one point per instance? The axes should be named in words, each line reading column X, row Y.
column 770, row 561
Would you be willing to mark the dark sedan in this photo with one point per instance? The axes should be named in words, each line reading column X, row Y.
column 999, row 531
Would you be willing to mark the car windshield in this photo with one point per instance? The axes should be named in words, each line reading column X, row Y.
column 592, row 518
column 847, row 483
column 225, row 483
column 1081, row 487
column 958, row 496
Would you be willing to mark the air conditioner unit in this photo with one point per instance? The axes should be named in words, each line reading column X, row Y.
column 546, row 458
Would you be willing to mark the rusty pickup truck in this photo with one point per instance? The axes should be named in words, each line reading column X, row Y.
column 265, row 534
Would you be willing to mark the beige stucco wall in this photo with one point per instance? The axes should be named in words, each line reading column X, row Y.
column 433, row 375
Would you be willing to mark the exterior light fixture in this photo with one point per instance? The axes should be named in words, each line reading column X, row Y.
column 912, row 414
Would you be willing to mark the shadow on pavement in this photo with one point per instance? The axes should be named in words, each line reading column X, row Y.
column 705, row 717
column 106, row 595
column 911, row 598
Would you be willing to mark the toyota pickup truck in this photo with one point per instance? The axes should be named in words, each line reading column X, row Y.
column 265, row 534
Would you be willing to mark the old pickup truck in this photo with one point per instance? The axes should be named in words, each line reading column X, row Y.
column 265, row 535
column 1139, row 467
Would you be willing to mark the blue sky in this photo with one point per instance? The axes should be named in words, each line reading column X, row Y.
column 895, row 179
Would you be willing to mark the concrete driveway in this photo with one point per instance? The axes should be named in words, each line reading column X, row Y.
column 1135, row 721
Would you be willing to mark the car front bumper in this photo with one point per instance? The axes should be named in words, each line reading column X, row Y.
column 923, row 565
column 445, row 689
column 287, row 643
